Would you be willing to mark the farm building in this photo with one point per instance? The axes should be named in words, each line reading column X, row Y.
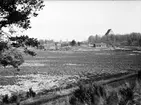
column 98, row 45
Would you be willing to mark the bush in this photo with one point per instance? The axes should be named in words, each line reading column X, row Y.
column 3, row 46
column 11, row 57
column 73, row 43
column 92, row 94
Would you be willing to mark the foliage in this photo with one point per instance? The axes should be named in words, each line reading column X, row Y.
column 88, row 95
column 24, row 41
column 78, row 43
column 11, row 57
column 3, row 46
column 132, row 39
column 30, row 93
column 32, row 53
column 16, row 13
column 73, row 43
column 13, row 99
column 91, row 39
column 19, row 12
column 92, row 94
column 94, row 39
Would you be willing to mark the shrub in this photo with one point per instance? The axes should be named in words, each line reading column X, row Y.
column 93, row 94
column 11, row 57
column 90, row 95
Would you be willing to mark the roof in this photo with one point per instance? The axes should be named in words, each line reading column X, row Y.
column 109, row 32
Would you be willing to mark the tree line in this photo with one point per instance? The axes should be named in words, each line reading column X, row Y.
column 132, row 39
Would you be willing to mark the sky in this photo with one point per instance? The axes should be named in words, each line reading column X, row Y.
column 68, row 20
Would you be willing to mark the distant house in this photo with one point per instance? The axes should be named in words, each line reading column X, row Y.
column 49, row 45
column 57, row 45
column 100, row 45
column 64, row 44
column 91, row 45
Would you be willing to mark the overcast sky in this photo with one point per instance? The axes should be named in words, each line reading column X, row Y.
column 67, row 20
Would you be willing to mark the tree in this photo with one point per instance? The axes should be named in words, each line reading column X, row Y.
column 32, row 42
column 73, row 43
column 78, row 43
column 3, row 46
column 91, row 39
column 16, row 13
column 24, row 40
column 140, row 42
column 11, row 57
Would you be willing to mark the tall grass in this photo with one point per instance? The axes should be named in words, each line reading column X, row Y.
column 94, row 94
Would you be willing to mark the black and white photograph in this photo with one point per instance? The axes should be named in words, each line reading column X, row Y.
column 70, row 52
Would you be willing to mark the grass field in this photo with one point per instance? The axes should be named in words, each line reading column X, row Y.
column 75, row 62
column 70, row 62
column 66, row 65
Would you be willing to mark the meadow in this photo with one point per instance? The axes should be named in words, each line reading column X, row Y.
column 77, row 62
column 60, row 69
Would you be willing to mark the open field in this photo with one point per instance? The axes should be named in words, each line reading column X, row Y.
column 70, row 62
column 55, row 69
column 75, row 62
